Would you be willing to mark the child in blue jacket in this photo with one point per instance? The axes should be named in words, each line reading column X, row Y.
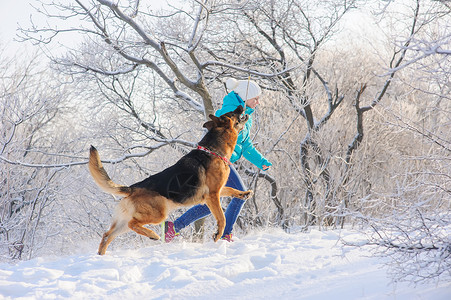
column 241, row 91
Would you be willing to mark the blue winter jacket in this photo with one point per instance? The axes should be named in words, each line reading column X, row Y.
column 244, row 146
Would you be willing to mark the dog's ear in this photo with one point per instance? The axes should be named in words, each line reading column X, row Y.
column 214, row 118
column 213, row 123
column 239, row 110
column 209, row 125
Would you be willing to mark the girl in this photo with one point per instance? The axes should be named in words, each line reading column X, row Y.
column 247, row 94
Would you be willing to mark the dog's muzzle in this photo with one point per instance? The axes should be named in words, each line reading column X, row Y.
column 243, row 118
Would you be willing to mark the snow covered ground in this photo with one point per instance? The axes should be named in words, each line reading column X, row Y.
column 266, row 265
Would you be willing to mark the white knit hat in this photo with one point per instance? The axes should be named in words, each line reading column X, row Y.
column 246, row 89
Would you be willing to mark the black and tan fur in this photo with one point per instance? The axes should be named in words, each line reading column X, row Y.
column 197, row 178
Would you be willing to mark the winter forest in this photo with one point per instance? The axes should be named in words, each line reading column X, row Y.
column 355, row 117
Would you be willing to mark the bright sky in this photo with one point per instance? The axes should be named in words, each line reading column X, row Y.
column 16, row 12
column 12, row 13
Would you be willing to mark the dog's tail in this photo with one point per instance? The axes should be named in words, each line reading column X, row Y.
column 101, row 176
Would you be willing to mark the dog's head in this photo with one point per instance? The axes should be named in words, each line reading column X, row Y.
column 233, row 119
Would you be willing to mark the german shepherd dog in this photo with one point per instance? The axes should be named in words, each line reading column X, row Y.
column 197, row 178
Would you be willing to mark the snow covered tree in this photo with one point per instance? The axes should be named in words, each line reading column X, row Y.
column 410, row 221
column 30, row 105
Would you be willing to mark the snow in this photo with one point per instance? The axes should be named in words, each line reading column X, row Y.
column 269, row 264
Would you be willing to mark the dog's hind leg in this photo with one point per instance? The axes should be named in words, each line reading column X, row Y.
column 214, row 205
column 137, row 227
column 116, row 229
column 121, row 217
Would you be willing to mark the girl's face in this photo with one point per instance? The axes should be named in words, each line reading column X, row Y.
column 253, row 102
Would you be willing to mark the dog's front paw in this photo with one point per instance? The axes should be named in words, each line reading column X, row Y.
column 247, row 194
column 216, row 237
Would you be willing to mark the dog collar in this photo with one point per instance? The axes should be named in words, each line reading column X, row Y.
column 227, row 162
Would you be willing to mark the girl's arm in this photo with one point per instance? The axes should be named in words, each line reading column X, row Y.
column 254, row 156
